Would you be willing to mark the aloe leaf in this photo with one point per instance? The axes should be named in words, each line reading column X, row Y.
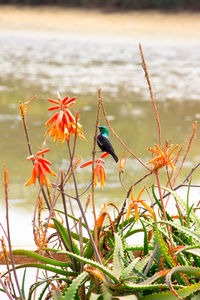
column 158, row 202
column 23, row 284
column 163, row 248
column 182, row 293
column 193, row 216
column 43, row 291
column 36, row 285
column 192, row 271
column 141, row 287
column 77, row 237
column 128, row 297
column 41, row 258
column 118, row 256
column 106, row 294
column 130, row 233
column 48, row 268
column 63, row 232
column 146, row 247
column 130, row 267
column 93, row 264
column 74, row 286
column 142, row 263
column 183, row 229
column 89, row 251
column 94, row 296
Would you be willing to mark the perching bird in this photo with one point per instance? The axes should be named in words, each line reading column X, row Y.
column 104, row 143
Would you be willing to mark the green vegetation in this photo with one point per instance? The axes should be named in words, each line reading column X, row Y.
column 103, row 261
column 115, row 4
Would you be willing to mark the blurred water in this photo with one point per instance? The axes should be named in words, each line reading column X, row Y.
column 41, row 64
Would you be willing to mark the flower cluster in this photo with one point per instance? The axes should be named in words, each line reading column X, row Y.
column 63, row 123
column 99, row 170
column 135, row 204
column 40, row 169
column 164, row 156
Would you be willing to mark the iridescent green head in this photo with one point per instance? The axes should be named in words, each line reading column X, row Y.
column 103, row 130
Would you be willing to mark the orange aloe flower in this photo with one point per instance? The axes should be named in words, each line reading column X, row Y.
column 99, row 170
column 40, row 168
column 63, row 123
column 24, row 107
column 121, row 166
column 164, row 156
column 135, row 204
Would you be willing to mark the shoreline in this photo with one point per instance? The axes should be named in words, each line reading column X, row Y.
column 149, row 26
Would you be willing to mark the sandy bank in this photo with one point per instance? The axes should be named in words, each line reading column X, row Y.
column 140, row 26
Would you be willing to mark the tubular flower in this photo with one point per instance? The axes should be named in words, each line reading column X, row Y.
column 24, row 107
column 63, row 123
column 121, row 165
column 164, row 156
column 135, row 204
column 40, row 168
column 99, row 170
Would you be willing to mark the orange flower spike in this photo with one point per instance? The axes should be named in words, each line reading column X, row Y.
column 128, row 213
column 135, row 205
column 61, row 123
column 24, row 107
column 102, row 216
column 132, row 197
column 160, row 151
column 40, row 169
column 121, row 166
column 173, row 149
column 99, row 171
column 102, row 177
column 140, row 193
column 95, row 178
column 148, row 208
column 104, row 154
column 164, row 156
column 86, row 164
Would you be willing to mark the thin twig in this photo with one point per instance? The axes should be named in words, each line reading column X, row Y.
column 151, row 93
column 93, row 162
column 8, row 231
column 22, row 113
column 127, row 196
column 5, row 289
column 163, row 207
column 151, row 259
column 187, row 151
column 82, row 211
column 118, row 138
column 71, row 208
column 67, row 222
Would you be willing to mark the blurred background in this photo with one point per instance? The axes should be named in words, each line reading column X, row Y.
column 76, row 47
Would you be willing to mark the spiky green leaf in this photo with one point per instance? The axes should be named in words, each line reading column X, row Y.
column 193, row 216
column 105, row 270
column 183, row 293
column 118, row 256
column 74, row 286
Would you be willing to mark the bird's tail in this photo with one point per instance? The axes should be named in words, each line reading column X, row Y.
column 115, row 157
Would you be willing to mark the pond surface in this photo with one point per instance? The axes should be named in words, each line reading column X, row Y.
column 42, row 64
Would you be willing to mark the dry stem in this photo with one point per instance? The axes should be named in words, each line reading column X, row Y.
column 118, row 138
column 93, row 162
column 151, row 94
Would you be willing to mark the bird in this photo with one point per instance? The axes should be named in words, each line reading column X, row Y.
column 104, row 143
